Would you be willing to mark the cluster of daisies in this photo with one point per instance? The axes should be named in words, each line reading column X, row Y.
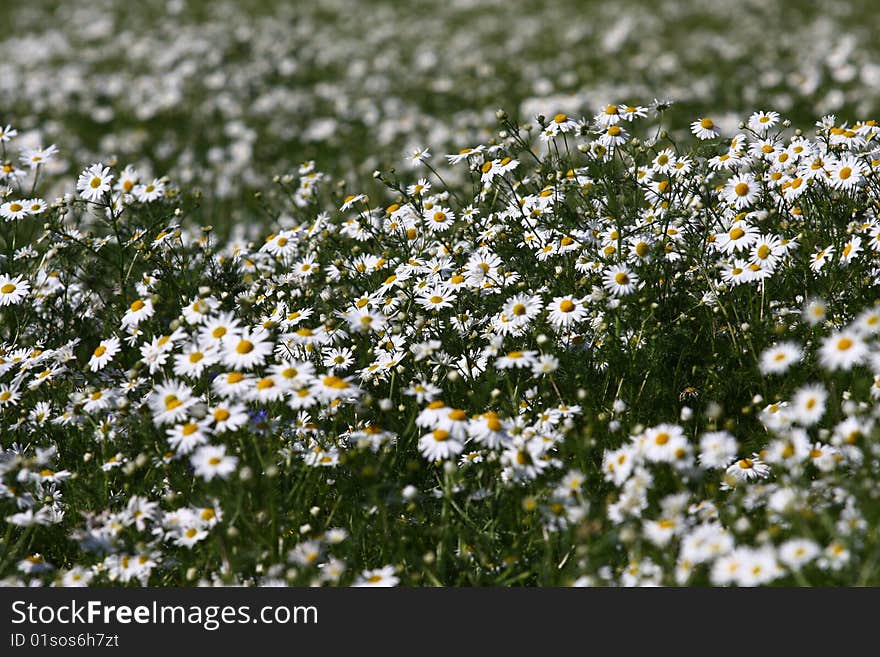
column 224, row 99
column 610, row 357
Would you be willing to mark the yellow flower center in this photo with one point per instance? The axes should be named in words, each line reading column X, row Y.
column 335, row 382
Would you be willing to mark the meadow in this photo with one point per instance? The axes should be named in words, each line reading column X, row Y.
column 491, row 294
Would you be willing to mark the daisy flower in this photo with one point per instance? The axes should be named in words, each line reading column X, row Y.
column 127, row 180
column 380, row 577
column 12, row 210
column 516, row 359
column 778, row 358
column 34, row 157
column 820, row 257
column 704, row 128
column 149, row 192
column 846, row 173
column 12, row 290
column 613, row 136
column 522, row 308
column 748, row 469
column 463, row 154
column 767, row 250
column 332, row 387
column 619, row 280
column 565, row 311
column 867, row 322
column 436, row 298
column 717, row 449
column 737, row 273
column 139, row 310
column 189, row 536
column 761, row 122
column 545, row 364
column 797, row 552
column 293, row 374
column 740, row 237
column 418, row 155
column 808, row 405
column 741, row 190
column 248, row 350
column 94, row 182
column 439, row 445
column 35, row 205
column 608, row 116
column 280, row 245
column 850, row 250
column 103, row 354
column 212, row 461
column 815, row 311
column 220, row 329
column 9, row 395
column 171, row 402
column 267, row 389
column 664, row 443
column 842, row 350
column 184, row 438
column 438, row 219
column 664, row 162
column 337, row 359
column 228, row 416
column 7, row 133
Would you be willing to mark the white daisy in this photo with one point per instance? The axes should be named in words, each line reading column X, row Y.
column 103, row 354
column 94, row 182
column 778, row 358
column 842, row 350
column 212, row 461
column 12, row 290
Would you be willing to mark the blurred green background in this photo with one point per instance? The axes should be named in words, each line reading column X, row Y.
column 223, row 94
